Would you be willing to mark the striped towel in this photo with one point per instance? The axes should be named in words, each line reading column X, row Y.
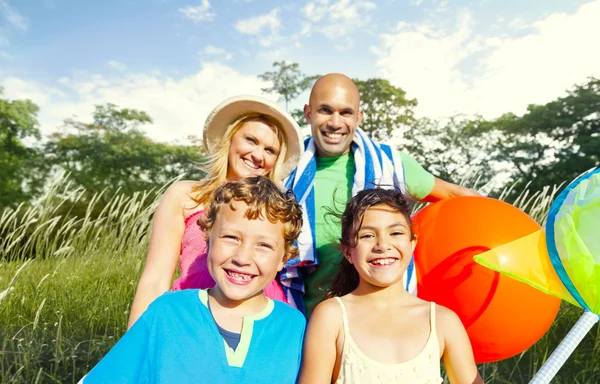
column 375, row 164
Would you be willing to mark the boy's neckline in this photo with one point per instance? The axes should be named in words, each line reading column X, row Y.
column 236, row 358
column 266, row 311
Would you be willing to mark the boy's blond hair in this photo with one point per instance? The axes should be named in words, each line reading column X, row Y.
column 264, row 200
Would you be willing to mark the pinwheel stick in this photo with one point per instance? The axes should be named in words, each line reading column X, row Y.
column 565, row 348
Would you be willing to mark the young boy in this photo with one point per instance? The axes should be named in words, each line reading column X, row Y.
column 231, row 333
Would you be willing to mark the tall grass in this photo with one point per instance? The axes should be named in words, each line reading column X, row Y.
column 66, row 286
column 46, row 230
column 66, row 283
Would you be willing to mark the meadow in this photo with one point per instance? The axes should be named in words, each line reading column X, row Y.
column 66, row 287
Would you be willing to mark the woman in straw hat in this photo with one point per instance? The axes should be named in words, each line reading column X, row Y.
column 244, row 136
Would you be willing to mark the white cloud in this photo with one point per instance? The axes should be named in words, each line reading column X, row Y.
column 116, row 65
column 12, row 17
column 199, row 13
column 266, row 27
column 305, row 31
column 6, row 56
column 218, row 52
column 336, row 19
column 518, row 23
column 416, row 2
column 178, row 106
column 255, row 25
column 17, row 88
column 507, row 73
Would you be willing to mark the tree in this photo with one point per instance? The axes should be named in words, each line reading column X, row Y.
column 21, row 171
column 385, row 106
column 552, row 143
column 288, row 82
column 113, row 153
column 452, row 149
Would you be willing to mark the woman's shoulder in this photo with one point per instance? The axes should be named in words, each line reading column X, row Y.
column 180, row 194
column 182, row 187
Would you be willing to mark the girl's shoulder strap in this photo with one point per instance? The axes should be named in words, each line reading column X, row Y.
column 432, row 318
column 344, row 317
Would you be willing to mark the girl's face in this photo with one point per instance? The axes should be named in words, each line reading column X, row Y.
column 253, row 151
column 383, row 248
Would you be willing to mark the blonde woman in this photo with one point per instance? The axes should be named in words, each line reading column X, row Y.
column 244, row 136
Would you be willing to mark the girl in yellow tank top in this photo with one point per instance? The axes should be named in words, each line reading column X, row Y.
column 370, row 329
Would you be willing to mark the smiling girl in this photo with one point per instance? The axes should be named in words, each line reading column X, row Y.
column 371, row 330
column 244, row 136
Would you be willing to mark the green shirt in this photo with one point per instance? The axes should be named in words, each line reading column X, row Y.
column 333, row 189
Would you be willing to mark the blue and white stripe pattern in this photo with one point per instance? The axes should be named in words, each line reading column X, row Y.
column 375, row 164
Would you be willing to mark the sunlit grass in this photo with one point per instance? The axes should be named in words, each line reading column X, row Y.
column 66, row 287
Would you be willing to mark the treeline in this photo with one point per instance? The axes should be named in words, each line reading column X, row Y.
column 548, row 145
column 110, row 154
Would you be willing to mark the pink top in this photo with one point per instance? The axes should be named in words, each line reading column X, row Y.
column 193, row 266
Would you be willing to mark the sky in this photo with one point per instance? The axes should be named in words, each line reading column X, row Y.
column 177, row 59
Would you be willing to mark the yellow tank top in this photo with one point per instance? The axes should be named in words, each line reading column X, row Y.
column 356, row 367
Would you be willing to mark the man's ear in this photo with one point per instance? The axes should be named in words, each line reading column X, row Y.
column 361, row 114
column 307, row 113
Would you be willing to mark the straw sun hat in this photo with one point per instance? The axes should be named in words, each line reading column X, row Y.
column 230, row 110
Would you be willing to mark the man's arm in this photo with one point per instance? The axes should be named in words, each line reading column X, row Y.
column 445, row 190
column 423, row 186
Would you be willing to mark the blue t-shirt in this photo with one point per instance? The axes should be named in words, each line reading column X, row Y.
column 176, row 341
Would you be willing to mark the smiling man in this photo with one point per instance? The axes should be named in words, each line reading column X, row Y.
column 339, row 161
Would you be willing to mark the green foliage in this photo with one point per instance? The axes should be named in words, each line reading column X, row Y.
column 112, row 153
column 288, row 82
column 298, row 115
column 21, row 170
column 385, row 107
column 451, row 149
column 555, row 142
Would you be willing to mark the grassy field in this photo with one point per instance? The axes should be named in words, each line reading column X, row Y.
column 65, row 293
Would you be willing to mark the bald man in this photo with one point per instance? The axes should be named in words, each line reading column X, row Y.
column 338, row 160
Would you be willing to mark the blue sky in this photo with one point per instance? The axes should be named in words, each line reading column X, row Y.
column 176, row 59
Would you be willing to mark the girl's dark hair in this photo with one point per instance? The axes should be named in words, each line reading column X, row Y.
column 347, row 278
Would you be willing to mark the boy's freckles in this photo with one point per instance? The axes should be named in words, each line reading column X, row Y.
column 244, row 255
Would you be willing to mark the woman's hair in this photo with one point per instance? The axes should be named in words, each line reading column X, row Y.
column 265, row 200
column 217, row 164
column 347, row 278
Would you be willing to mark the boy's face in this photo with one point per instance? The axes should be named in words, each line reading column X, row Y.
column 244, row 255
